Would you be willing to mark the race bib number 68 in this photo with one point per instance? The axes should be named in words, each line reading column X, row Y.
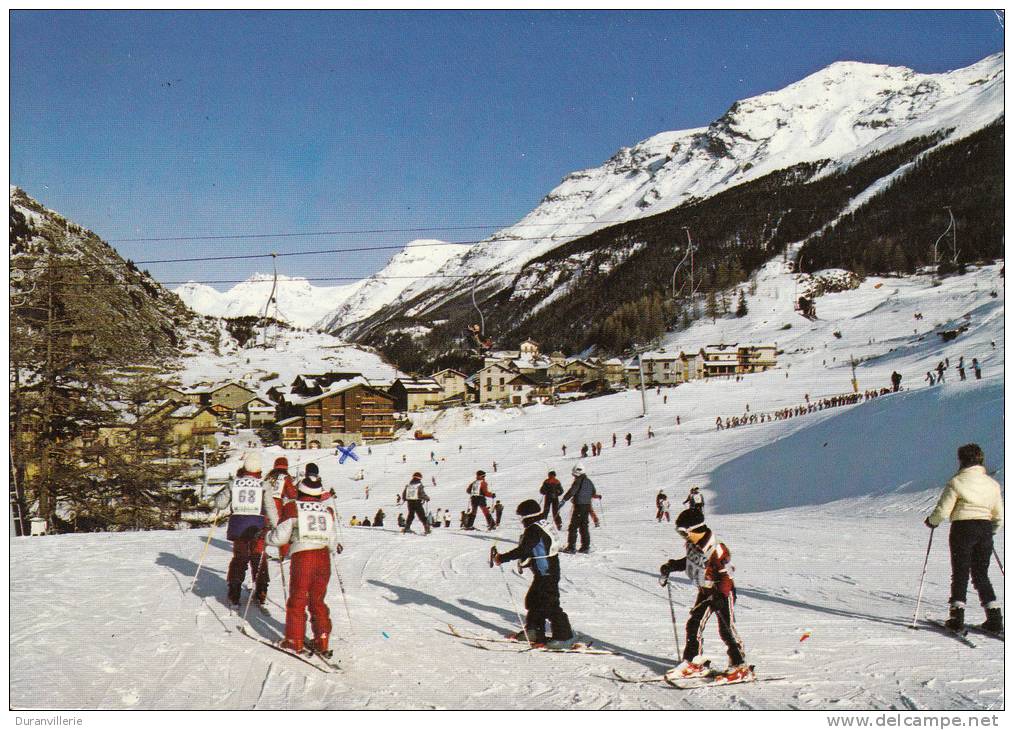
column 247, row 496
column 315, row 521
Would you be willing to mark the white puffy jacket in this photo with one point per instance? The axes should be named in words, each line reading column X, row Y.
column 971, row 494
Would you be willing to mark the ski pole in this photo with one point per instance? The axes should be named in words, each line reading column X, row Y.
column 517, row 611
column 918, row 601
column 204, row 552
column 262, row 565
column 281, row 567
column 345, row 600
column 998, row 563
column 672, row 614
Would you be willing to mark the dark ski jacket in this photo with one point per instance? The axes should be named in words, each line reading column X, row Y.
column 551, row 488
column 537, row 550
column 582, row 491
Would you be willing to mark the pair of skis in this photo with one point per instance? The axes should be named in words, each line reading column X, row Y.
column 312, row 658
column 712, row 679
column 502, row 643
column 962, row 635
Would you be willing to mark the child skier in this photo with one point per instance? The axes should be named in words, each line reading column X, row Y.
column 538, row 551
column 551, row 492
column 244, row 498
column 662, row 507
column 414, row 495
column 308, row 527
column 478, row 491
column 707, row 565
column 280, row 489
column 695, row 500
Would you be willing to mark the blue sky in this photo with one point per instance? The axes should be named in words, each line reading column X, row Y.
column 149, row 124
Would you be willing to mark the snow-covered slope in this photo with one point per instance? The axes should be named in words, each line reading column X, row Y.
column 303, row 304
column 827, row 568
column 839, row 114
column 290, row 353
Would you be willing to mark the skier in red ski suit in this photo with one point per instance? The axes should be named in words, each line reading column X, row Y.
column 308, row 527
column 280, row 489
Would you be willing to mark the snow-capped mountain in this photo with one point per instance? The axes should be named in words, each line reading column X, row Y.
column 300, row 303
column 835, row 116
column 297, row 301
column 419, row 258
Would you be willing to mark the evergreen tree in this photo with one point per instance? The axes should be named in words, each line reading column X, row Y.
column 711, row 305
column 741, row 308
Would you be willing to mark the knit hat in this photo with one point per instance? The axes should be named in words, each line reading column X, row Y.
column 529, row 508
column 417, row 475
column 690, row 520
column 281, row 463
column 552, row 473
column 252, row 462
column 312, row 470
column 578, row 469
column 480, row 473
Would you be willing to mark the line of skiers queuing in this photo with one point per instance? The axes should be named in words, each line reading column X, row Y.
column 803, row 409
column 945, row 364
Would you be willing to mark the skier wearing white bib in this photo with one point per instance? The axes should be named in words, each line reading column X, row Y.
column 414, row 495
column 708, row 567
column 308, row 526
column 537, row 551
column 245, row 498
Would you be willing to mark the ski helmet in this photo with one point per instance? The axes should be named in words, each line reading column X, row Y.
column 480, row 473
column 312, row 470
column 529, row 508
column 578, row 469
column 552, row 473
column 417, row 475
column 690, row 520
column 281, row 463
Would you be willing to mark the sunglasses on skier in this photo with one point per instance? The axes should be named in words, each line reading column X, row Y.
column 682, row 531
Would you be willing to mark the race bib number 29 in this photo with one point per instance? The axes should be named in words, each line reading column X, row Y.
column 315, row 521
column 247, row 496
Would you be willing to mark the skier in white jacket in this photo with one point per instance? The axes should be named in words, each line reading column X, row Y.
column 972, row 502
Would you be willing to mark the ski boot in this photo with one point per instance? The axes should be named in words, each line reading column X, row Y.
column 234, row 591
column 569, row 550
column 994, row 621
column 736, row 673
column 956, row 622
column 291, row 645
column 585, row 550
column 688, row 670
column 320, row 646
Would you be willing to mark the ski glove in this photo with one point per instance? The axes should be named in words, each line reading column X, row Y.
column 672, row 566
